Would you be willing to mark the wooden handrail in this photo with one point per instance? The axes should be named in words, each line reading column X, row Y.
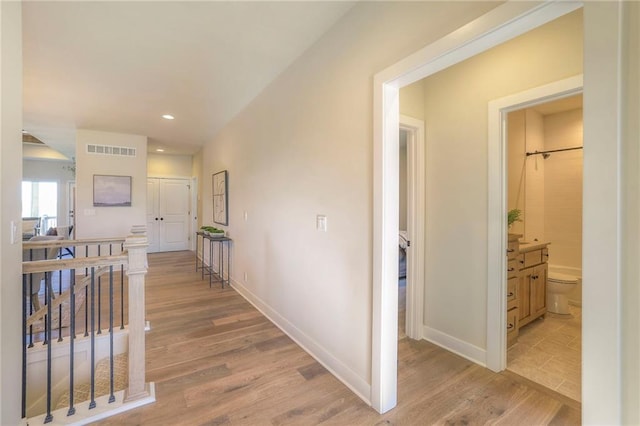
column 31, row 267
column 70, row 243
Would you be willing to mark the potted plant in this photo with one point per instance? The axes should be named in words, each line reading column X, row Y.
column 212, row 231
column 513, row 216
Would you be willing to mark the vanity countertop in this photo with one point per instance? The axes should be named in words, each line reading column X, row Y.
column 526, row 246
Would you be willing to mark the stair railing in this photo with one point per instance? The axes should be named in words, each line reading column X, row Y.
column 100, row 271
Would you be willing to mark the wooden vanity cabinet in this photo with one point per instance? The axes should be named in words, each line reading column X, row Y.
column 532, row 285
column 513, row 274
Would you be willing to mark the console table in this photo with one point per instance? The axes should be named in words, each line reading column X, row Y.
column 221, row 242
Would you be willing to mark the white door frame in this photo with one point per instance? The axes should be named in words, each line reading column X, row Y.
column 416, row 190
column 193, row 216
column 497, row 202
column 499, row 25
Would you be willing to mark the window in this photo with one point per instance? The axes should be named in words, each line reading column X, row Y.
column 40, row 199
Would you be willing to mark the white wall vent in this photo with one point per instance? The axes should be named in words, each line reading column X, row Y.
column 118, row 151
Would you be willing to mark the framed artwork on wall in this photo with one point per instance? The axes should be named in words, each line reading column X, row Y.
column 111, row 191
column 220, row 198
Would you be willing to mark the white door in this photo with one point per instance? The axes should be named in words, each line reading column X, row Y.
column 168, row 214
column 153, row 215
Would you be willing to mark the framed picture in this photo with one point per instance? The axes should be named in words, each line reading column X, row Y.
column 220, row 200
column 111, row 191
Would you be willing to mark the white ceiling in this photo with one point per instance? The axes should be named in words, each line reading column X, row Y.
column 118, row 66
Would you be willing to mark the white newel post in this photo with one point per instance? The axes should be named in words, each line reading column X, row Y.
column 136, row 246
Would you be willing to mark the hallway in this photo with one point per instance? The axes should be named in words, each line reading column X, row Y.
column 216, row 360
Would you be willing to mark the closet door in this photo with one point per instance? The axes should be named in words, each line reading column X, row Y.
column 174, row 214
column 153, row 215
column 167, row 214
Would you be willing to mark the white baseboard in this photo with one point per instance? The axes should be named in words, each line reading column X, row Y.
column 343, row 373
column 455, row 345
column 84, row 415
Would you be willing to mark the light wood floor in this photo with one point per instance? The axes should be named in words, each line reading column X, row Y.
column 216, row 361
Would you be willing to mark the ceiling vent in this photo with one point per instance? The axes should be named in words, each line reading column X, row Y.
column 118, row 151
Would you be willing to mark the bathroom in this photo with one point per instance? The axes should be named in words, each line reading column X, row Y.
column 545, row 184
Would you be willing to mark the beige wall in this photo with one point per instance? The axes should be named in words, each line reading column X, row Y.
column 51, row 171
column 11, row 173
column 563, row 188
column 412, row 100
column 456, row 143
column 165, row 165
column 303, row 148
column 534, row 178
column 97, row 222
column 526, row 175
column 411, row 105
column 516, row 161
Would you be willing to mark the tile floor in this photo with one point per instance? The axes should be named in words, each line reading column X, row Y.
column 548, row 352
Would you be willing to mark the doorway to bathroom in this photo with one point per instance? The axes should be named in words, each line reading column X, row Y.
column 544, row 203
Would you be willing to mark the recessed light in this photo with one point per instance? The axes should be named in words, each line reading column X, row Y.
column 160, row 150
column 168, row 117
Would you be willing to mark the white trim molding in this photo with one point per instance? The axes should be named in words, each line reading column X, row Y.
column 357, row 384
column 457, row 346
column 497, row 206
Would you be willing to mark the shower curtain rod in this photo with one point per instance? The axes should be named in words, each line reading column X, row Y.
column 552, row 150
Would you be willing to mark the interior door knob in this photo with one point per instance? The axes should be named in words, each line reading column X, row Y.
column 156, row 218
column 162, row 218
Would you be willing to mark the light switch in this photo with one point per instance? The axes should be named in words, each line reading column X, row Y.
column 321, row 223
column 14, row 232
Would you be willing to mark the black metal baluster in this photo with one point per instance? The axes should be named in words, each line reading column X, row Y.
column 47, row 317
column 121, row 291
column 99, row 298
column 121, row 297
column 92, row 404
column 86, row 297
column 31, row 307
column 86, row 311
column 47, row 332
column 86, row 254
column 72, row 337
column 112, row 397
column 25, row 299
column 59, row 294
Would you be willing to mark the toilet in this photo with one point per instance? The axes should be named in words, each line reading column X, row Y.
column 558, row 287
